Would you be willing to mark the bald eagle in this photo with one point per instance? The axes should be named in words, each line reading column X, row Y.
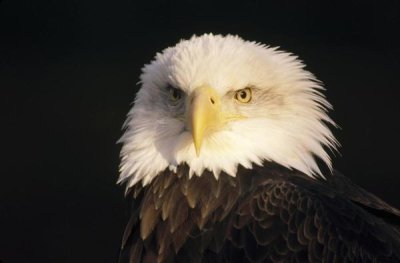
column 223, row 154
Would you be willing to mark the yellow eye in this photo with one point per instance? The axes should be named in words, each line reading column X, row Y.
column 243, row 95
column 174, row 94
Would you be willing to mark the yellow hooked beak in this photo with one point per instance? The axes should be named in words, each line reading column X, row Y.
column 204, row 114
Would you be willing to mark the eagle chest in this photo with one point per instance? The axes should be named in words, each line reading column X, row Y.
column 219, row 218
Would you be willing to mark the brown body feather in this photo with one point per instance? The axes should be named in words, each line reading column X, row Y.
column 269, row 214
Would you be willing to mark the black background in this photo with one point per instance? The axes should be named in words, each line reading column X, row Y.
column 68, row 73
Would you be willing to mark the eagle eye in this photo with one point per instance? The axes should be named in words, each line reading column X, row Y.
column 243, row 95
column 174, row 94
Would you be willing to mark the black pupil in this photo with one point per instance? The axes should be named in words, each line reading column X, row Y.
column 243, row 94
column 175, row 93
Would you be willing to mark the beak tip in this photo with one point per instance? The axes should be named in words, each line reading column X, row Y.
column 197, row 149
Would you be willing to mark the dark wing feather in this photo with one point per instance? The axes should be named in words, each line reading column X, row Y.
column 291, row 218
column 366, row 200
column 267, row 214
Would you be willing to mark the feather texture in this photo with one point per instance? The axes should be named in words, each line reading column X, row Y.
column 255, row 193
column 285, row 122
column 261, row 215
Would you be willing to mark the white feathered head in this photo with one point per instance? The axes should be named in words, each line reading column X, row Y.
column 215, row 102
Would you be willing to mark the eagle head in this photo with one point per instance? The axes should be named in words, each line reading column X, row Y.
column 215, row 102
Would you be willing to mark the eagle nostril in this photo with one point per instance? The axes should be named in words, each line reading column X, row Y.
column 212, row 100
